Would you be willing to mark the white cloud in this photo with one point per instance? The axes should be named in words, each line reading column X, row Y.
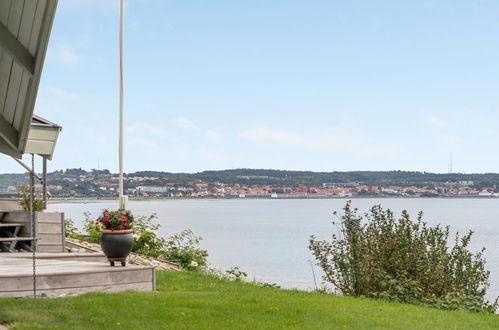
column 337, row 140
column 67, row 55
column 146, row 129
column 214, row 137
column 207, row 158
column 298, row 140
column 214, row 158
column 184, row 123
column 62, row 94
column 435, row 122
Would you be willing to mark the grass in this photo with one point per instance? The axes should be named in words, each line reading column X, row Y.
column 195, row 301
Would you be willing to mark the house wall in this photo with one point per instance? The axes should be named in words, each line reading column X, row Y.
column 50, row 228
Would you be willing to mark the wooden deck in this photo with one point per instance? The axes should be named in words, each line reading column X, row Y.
column 68, row 275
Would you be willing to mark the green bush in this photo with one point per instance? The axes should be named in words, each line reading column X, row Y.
column 24, row 192
column 146, row 240
column 70, row 229
column 92, row 228
column 183, row 248
column 379, row 256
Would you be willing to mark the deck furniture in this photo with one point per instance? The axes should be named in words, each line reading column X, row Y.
column 9, row 236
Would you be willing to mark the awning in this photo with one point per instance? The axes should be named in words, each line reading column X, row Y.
column 25, row 27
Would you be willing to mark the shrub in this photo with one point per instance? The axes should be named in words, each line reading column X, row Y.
column 70, row 229
column 380, row 256
column 236, row 274
column 183, row 248
column 92, row 228
column 24, row 192
column 146, row 239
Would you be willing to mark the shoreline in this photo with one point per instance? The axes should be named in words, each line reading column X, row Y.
column 110, row 199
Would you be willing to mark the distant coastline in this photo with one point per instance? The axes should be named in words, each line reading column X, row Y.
column 78, row 184
column 110, row 199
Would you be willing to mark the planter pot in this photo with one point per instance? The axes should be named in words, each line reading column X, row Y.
column 116, row 244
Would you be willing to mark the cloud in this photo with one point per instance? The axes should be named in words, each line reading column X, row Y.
column 336, row 140
column 55, row 101
column 214, row 158
column 62, row 94
column 203, row 157
column 184, row 123
column 297, row 140
column 67, row 55
column 435, row 122
column 146, row 129
column 214, row 136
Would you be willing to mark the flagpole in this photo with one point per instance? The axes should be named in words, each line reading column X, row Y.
column 122, row 198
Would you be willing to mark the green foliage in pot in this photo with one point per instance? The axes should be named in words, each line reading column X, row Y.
column 380, row 256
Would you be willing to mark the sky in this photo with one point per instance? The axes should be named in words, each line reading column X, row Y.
column 297, row 85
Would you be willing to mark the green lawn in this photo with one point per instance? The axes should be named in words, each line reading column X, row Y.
column 194, row 301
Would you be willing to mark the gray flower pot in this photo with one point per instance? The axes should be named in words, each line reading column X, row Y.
column 116, row 244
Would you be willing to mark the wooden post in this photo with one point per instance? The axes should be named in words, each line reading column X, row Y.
column 44, row 183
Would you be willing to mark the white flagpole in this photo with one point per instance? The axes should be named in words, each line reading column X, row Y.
column 122, row 198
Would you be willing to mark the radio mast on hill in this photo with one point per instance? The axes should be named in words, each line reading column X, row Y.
column 450, row 164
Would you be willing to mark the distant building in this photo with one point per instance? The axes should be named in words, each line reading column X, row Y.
column 152, row 189
column 301, row 189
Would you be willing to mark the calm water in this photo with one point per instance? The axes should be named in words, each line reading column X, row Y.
column 268, row 239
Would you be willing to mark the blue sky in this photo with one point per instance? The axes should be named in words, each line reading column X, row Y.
column 302, row 85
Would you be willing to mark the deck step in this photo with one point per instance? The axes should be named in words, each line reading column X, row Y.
column 73, row 256
column 60, row 277
column 17, row 239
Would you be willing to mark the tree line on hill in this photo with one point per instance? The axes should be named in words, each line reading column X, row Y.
column 274, row 177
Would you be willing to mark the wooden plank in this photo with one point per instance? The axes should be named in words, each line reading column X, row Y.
column 26, row 26
column 12, row 92
column 16, row 49
column 21, row 100
column 49, row 228
column 21, row 54
column 76, row 280
column 52, row 239
column 12, row 26
column 39, row 147
column 49, row 217
column 21, row 267
column 43, row 134
column 8, row 133
column 4, row 11
column 11, row 224
column 17, row 239
column 15, row 14
column 144, row 286
column 37, row 23
column 51, row 248
column 5, row 70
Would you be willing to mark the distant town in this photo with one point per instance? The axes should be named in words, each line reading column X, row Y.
column 254, row 183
